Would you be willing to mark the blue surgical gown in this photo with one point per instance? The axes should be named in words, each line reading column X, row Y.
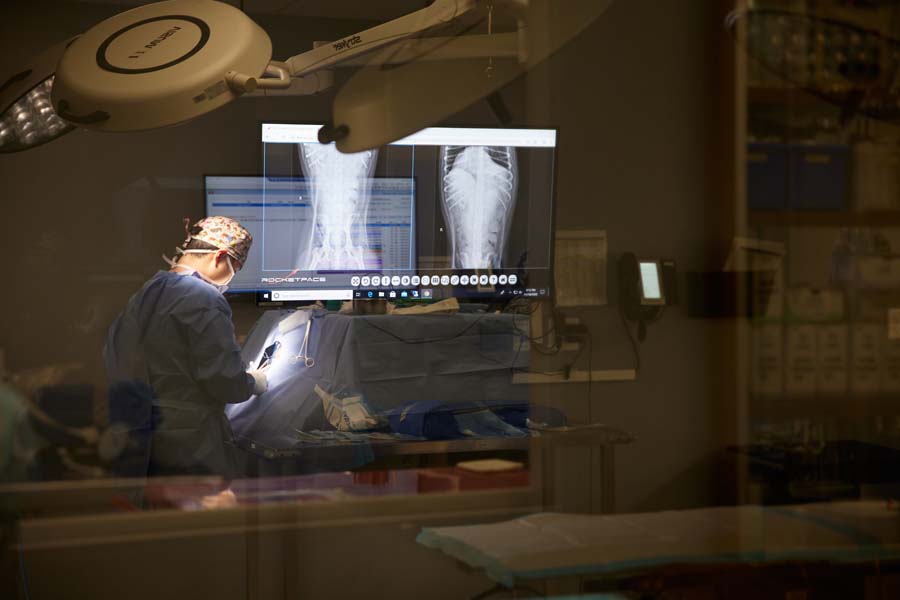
column 174, row 353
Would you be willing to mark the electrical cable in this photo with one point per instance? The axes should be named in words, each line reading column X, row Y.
column 537, row 338
column 465, row 329
column 590, row 375
column 523, row 337
column 568, row 368
column 515, row 329
column 462, row 332
column 541, row 348
column 634, row 346
column 514, row 304
column 23, row 574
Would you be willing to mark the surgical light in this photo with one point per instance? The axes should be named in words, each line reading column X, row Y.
column 27, row 116
column 169, row 62
column 161, row 64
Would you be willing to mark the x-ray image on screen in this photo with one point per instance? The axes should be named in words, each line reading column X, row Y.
column 462, row 212
column 478, row 199
column 340, row 187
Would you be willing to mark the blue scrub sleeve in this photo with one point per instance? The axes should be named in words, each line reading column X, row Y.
column 218, row 366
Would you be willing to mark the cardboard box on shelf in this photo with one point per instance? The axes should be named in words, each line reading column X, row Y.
column 800, row 376
column 767, row 360
column 865, row 358
column 833, row 359
column 809, row 304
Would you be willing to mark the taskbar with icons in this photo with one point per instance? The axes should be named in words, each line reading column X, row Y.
column 413, row 281
column 393, row 294
column 347, row 286
column 313, row 295
column 441, row 294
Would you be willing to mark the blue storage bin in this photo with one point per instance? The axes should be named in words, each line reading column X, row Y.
column 767, row 176
column 819, row 176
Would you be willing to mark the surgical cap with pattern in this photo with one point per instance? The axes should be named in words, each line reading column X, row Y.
column 225, row 234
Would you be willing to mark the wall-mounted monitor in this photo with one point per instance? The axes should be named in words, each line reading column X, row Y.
column 446, row 212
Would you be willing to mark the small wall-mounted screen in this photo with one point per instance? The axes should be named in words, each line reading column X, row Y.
column 651, row 290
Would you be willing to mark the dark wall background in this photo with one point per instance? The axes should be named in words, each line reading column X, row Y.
column 643, row 107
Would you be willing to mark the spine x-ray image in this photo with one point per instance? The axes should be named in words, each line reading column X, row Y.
column 340, row 186
column 478, row 198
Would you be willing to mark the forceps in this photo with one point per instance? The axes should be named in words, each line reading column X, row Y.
column 303, row 354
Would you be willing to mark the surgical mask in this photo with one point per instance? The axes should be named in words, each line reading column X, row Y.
column 190, row 271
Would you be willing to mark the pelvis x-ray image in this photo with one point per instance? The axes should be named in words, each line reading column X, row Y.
column 340, row 186
column 478, row 198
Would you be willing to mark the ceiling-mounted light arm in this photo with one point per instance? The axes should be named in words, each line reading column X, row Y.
column 498, row 45
column 312, row 70
column 438, row 13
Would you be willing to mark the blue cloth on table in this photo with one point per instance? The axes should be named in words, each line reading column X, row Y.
column 484, row 423
column 520, row 415
column 436, row 420
column 429, row 419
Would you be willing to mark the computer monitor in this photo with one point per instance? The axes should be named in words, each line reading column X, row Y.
column 281, row 216
column 446, row 212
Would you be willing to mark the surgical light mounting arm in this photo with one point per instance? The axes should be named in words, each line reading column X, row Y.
column 439, row 13
column 346, row 52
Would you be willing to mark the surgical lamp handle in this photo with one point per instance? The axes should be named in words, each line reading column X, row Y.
column 281, row 79
column 246, row 84
column 95, row 117
column 329, row 55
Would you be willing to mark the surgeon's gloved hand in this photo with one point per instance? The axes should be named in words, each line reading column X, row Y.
column 260, row 381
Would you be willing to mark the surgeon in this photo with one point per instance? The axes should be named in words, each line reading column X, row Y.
column 172, row 359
